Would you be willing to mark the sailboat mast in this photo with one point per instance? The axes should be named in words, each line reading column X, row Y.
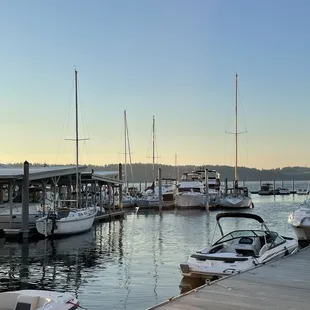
column 125, row 136
column 153, row 140
column 77, row 141
column 236, row 130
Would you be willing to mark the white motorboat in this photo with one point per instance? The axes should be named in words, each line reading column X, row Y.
column 284, row 191
column 236, row 198
column 238, row 250
column 13, row 219
column 150, row 198
column 266, row 189
column 191, row 191
column 127, row 199
column 300, row 221
column 37, row 300
column 74, row 220
column 302, row 191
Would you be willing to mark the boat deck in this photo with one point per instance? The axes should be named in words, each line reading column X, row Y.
column 283, row 284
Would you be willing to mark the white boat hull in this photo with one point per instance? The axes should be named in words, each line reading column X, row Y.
column 209, row 269
column 37, row 299
column 189, row 200
column 65, row 226
column 151, row 204
column 300, row 221
column 302, row 232
column 35, row 212
column 235, row 202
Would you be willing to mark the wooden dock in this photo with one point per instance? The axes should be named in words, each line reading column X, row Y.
column 283, row 284
column 110, row 216
column 15, row 234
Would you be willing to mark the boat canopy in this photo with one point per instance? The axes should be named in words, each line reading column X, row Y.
column 239, row 214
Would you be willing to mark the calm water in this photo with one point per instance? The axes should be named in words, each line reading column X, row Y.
column 129, row 264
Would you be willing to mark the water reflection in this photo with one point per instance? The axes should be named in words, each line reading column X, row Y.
column 59, row 264
column 187, row 284
column 129, row 264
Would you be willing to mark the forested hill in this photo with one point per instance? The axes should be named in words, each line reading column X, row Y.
column 143, row 172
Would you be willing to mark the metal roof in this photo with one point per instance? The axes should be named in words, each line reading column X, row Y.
column 106, row 173
column 107, row 176
column 37, row 173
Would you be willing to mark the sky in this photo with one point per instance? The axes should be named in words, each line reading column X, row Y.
column 174, row 59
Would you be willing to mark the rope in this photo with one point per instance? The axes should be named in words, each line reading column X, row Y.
column 76, row 305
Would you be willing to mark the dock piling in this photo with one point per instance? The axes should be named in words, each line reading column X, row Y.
column 226, row 186
column 120, row 188
column 160, row 196
column 25, row 202
column 207, row 190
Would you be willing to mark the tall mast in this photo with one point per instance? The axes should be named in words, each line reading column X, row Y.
column 153, row 140
column 236, row 130
column 125, row 136
column 175, row 166
column 77, row 141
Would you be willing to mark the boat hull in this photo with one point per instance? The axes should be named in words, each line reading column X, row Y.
column 217, row 269
column 189, row 200
column 65, row 227
column 302, row 232
column 152, row 204
column 236, row 202
column 15, row 221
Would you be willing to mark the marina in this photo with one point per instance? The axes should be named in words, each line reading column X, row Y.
column 129, row 263
column 153, row 155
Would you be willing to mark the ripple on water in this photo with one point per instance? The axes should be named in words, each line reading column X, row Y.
column 129, row 264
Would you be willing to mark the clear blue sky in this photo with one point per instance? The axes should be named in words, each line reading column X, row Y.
column 175, row 59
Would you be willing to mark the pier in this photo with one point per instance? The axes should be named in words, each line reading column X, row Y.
column 281, row 284
column 19, row 222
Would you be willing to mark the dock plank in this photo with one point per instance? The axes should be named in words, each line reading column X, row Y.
column 283, row 284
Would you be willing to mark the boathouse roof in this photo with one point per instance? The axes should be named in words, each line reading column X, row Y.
column 37, row 173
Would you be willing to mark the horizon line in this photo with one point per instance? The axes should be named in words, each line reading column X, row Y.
column 142, row 163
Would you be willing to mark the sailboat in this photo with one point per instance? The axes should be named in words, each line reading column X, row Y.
column 150, row 196
column 236, row 197
column 128, row 200
column 68, row 221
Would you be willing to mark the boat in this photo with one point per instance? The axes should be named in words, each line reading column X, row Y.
column 237, row 197
column 300, row 221
column 214, row 183
column 37, row 300
column 68, row 221
column 284, row 191
column 302, row 191
column 13, row 219
column 150, row 197
column 266, row 189
column 190, row 191
column 239, row 250
column 127, row 198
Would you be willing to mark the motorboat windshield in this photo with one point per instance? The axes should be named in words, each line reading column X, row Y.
column 246, row 237
column 240, row 215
